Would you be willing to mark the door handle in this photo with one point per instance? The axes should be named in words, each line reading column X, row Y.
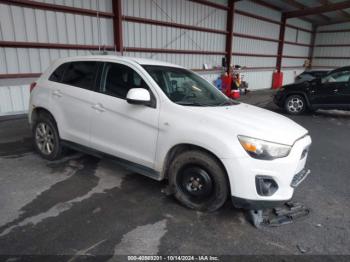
column 57, row 93
column 99, row 108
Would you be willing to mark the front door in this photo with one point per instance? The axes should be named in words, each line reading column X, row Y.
column 121, row 129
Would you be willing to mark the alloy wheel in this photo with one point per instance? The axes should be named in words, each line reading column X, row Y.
column 44, row 138
column 295, row 105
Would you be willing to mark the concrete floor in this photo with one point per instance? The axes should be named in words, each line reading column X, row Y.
column 81, row 205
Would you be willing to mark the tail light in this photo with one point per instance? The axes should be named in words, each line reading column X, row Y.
column 32, row 85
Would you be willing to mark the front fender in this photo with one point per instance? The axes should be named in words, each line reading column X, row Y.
column 216, row 145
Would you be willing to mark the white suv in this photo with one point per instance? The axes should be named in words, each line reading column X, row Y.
column 166, row 122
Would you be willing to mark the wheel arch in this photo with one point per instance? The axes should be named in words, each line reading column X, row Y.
column 41, row 111
column 180, row 148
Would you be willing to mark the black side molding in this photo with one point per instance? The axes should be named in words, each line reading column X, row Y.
column 137, row 168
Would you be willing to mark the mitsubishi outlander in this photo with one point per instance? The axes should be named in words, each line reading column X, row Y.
column 167, row 122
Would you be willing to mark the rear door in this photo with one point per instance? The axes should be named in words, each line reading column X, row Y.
column 71, row 99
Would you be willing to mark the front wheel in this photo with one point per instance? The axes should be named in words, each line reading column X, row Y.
column 198, row 181
column 295, row 104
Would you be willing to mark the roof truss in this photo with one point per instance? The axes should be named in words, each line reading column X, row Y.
column 319, row 9
column 304, row 10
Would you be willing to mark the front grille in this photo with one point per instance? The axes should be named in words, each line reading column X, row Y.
column 298, row 178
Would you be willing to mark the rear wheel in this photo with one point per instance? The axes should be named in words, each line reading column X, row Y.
column 46, row 139
column 295, row 104
column 198, row 181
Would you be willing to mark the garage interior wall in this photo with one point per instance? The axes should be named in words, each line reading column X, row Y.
column 260, row 54
column 255, row 39
column 332, row 46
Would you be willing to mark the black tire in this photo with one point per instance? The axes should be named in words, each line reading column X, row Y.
column 295, row 104
column 198, row 164
column 51, row 137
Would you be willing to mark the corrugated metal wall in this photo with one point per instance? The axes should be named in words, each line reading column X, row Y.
column 329, row 48
column 33, row 25
column 13, row 99
column 298, row 37
column 300, row 48
column 183, row 12
column 262, row 78
column 23, row 24
column 255, row 27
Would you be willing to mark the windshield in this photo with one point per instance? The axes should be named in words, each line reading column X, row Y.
column 183, row 87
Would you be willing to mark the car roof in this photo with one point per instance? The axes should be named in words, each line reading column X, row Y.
column 341, row 69
column 315, row 71
column 116, row 58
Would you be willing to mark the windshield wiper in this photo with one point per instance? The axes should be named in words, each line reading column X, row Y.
column 228, row 103
column 189, row 103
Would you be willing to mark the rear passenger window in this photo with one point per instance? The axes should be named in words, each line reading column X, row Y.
column 80, row 74
column 117, row 79
column 57, row 75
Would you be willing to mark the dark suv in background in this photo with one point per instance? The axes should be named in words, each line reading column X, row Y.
column 310, row 75
column 329, row 92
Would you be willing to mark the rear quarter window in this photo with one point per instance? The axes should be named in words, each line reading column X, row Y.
column 57, row 75
column 81, row 74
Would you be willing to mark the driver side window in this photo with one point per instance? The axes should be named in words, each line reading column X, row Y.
column 338, row 77
column 118, row 79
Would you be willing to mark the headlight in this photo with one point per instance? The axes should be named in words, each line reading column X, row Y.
column 261, row 149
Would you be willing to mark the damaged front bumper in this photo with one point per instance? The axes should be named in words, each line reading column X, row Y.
column 279, row 216
column 274, row 213
column 266, row 204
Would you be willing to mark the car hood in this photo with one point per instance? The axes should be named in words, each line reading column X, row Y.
column 297, row 85
column 256, row 122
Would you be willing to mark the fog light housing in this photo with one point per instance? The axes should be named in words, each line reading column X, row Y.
column 265, row 186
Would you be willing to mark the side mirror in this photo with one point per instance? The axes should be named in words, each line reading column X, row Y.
column 138, row 96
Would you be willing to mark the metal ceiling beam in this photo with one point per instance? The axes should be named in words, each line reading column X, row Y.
column 229, row 36
column 56, row 8
column 277, row 8
column 303, row 7
column 312, row 47
column 281, row 43
column 117, row 25
column 341, row 12
column 334, row 22
column 318, row 10
column 210, row 4
column 267, row 4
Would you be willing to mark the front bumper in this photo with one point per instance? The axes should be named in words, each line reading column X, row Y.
column 255, row 204
column 278, row 98
column 287, row 172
